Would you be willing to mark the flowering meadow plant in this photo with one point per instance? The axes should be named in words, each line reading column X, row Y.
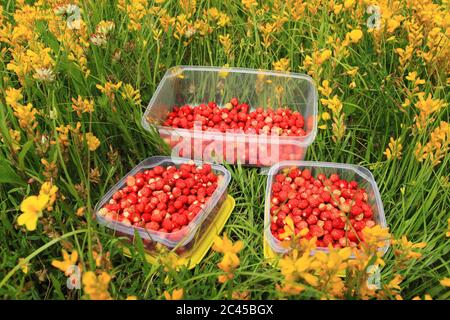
column 76, row 77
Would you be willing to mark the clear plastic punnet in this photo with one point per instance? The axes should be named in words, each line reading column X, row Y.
column 361, row 175
column 190, row 85
column 179, row 240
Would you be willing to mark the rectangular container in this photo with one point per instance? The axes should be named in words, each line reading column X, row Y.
column 361, row 175
column 194, row 85
column 184, row 238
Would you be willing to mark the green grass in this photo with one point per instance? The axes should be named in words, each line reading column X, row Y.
column 372, row 111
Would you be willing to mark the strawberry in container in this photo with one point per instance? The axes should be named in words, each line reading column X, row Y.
column 234, row 115
column 166, row 200
column 330, row 201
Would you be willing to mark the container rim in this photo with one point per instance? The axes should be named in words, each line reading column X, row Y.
column 176, row 70
column 360, row 170
column 157, row 236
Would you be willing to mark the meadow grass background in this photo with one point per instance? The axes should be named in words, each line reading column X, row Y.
column 415, row 194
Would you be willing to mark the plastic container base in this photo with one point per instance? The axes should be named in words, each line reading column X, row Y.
column 194, row 255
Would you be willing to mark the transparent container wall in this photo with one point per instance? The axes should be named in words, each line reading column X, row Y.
column 186, row 237
column 266, row 89
column 361, row 175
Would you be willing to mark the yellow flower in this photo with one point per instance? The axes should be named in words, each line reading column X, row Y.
column 109, row 89
column 177, row 294
column 50, row 190
column 131, row 298
column 437, row 147
column 405, row 248
column 225, row 245
column 325, row 88
column 352, row 72
column 445, row 282
column 226, row 43
column 348, row 3
column 355, row 35
column 13, row 96
column 131, row 94
column 230, row 260
column 394, row 150
column 96, row 287
column 32, row 207
column 288, row 228
column 249, row 4
column 281, row 65
column 426, row 297
column 24, row 266
column 448, row 231
column 92, row 141
column 326, row 116
column 81, row 105
column 68, row 261
column 236, row 295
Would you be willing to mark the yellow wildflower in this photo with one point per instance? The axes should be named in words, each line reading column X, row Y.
column 81, row 105
column 67, row 262
column 226, row 43
column 437, row 147
column 405, row 248
column 177, row 294
column 50, row 190
column 32, row 207
column 355, row 35
column 13, row 96
column 394, row 150
column 96, row 287
column 109, row 89
column 224, row 20
column 131, row 94
column 92, row 141
column 24, row 266
column 131, row 298
column 326, row 116
column 105, row 27
column 244, row 295
column 288, row 228
column 325, row 88
column 445, row 282
column 352, row 72
column 281, row 65
column 426, row 297
column 230, row 260
column 448, row 230
column 426, row 108
column 250, row 4
column 412, row 77
column 349, row 3
column 225, row 245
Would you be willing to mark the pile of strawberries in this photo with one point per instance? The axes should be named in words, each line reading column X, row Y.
column 237, row 116
column 164, row 199
column 333, row 209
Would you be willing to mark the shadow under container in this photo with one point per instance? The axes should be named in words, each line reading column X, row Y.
column 183, row 239
column 361, row 175
column 186, row 85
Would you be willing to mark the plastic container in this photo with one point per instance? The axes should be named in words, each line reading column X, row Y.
column 360, row 174
column 183, row 238
column 194, row 85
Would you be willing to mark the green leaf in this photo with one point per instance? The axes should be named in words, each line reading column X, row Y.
column 8, row 175
column 26, row 147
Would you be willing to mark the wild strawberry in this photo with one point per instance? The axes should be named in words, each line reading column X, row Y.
column 312, row 219
column 337, row 234
column 316, row 231
column 338, row 223
column 152, row 226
